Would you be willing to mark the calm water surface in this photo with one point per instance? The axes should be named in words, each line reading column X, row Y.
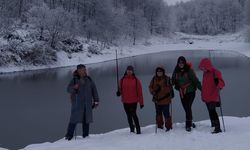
column 35, row 108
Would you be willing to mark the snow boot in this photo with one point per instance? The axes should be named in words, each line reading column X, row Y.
column 193, row 125
column 188, row 125
column 70, row 131
column 138, row 129
column 168, row 123
column 217, row 128
column 159, row 121
column 132, row 128
column 68, row 138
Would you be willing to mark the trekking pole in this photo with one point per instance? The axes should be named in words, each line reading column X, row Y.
column 76, row 106
column 156, row 125
column 76, row 124
column 171, row 114
column 75, row 132
column 117, row 71
column 222, row 113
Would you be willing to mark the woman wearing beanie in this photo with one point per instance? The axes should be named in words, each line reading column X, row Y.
column 130, row 90
column 186, row 83
column 162, row 91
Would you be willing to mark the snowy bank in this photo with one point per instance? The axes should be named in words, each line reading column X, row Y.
column 178, row 41
column 237, row 136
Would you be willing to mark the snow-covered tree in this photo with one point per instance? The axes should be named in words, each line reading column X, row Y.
column 247, row 19
column 37, row 16
column 137, row 25
column 209, row 16
column 153, row 11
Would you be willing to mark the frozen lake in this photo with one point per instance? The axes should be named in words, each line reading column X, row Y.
column 35, row 108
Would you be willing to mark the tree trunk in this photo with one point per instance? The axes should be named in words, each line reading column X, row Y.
column 41, row 33
column 151, row 23
column 20, row 8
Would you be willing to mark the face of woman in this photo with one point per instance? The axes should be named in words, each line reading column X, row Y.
column 203, row 69
column 81, row 72
column 181, row 64
column 159, row 73
column 129, row 72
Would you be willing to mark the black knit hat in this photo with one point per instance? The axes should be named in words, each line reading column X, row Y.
column 80, row 66
column 130, row 68
column 159, row 68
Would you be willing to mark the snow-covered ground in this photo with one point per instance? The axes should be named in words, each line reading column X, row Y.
column 236, row 137
column 177, row 41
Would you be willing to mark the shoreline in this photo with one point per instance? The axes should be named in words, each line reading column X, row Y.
column 110, row 56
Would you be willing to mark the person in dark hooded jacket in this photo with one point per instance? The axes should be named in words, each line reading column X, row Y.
column 212, row 83
column 186, row 83
column 84, row 98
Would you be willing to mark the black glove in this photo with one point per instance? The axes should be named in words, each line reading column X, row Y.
column 216, row 81
column 141, row 106
column 158, row 89
column 218, row 104
column 94, row 105
column 118, row 93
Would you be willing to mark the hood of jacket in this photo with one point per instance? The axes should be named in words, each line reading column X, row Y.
column 206, row 64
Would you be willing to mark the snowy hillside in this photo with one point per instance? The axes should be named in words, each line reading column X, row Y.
column 236, row 137
column 173, row 2
column 80, row 51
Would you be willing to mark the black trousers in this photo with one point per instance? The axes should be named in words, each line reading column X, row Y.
column 187, row 102
column 72, row 126
column 162, row 110
column 211, row 107
column 130, row 109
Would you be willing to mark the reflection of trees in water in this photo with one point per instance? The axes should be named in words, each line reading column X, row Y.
column 143, row 64
column 38, row 75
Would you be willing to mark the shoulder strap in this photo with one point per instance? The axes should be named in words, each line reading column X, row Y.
column 122, row 82
column 136, row 85
column 153, row 79
column 89, row 78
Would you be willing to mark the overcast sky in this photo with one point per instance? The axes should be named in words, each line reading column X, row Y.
column 172, row 2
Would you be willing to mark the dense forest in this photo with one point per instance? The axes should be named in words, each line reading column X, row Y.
column 57, row 22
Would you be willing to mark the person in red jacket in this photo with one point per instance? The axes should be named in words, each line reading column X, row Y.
column 130, row 90
column 212, row 83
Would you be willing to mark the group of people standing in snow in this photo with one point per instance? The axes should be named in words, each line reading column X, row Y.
column 84, row 96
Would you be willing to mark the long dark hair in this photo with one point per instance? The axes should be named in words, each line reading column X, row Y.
column 186, row 66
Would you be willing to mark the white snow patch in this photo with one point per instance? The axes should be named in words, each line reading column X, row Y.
column 237, row 136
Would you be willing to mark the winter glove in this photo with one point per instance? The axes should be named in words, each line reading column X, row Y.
column 158, row 89
column 218, row 104
column 216, row 81
column 118, row 93
column 76, row 86
column 141, row 106
column 94, row 105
